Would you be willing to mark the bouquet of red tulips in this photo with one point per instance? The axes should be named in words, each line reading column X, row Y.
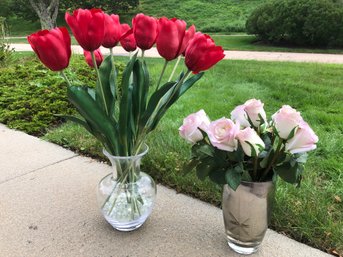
column 121, row 122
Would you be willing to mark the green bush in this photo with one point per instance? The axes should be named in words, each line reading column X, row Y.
column 30, row 94
column 5, row 50
column 298, row 22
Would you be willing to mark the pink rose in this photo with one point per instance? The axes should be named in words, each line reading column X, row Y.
column 222, row 134
column 304, row 140
column 253, row 109
column 250, row 135
column 285, row 120
column 191, row 124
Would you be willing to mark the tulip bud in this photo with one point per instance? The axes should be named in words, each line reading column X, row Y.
column 98, row 58
column 52, row 47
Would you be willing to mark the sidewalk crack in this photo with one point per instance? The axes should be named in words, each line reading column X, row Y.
column 32, row 171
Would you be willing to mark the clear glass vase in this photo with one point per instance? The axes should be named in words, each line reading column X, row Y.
column 246, row 213
column 127, row 195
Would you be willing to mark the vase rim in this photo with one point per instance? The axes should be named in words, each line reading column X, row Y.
column 143, row 151
column 257, row 182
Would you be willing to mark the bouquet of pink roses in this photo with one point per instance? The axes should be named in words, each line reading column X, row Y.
column 249, row 147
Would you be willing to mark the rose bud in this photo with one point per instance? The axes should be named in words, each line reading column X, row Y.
column 173, row 38
column 191, row 124
column 251, row 109
column 304, row 140
column 98, row 58
column 248, row 138
column 144, row 31
column 202, row 53
column 87, row 27
column 52, row 47
column 285, row 120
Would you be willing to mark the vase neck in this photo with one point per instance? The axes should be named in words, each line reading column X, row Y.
column 126, row 169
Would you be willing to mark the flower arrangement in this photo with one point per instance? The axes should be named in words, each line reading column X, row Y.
column 121, row 122
column 247, row 147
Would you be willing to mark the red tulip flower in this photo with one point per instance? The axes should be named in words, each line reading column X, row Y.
column 144, row 30
column 202, row 53
column 112, row 31
column 98, row 58
column 88, row 27
column 127, row 41
column 173, row 38
column 52, row 47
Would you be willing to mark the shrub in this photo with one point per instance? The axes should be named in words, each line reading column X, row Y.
column 30, row 94
column 298, row 22
column 5, row 50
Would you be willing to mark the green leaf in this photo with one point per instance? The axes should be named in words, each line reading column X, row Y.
column 287, row 172
column 76, row 120
column 202, row 150
column 95, row 116
column 218, row 176
column 233, row 178
column 172, row 98
column 125, row 108
column 103, row 90
column 301, row 158
column 291, row 134
column 189, row 166
column 203, row 169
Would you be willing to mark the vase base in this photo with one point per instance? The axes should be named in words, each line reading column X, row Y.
column 125, row 226
column 243, row 249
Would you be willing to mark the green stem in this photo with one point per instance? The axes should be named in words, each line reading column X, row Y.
column 174, row 69
column 276, row 155
column 99, row 80
column 65, row 78
column 255, row 168
column 162, row 73
column 143, row 51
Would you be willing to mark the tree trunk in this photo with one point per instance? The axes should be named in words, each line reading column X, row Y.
column 47, row 12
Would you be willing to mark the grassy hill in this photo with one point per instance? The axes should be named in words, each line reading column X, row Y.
column 207, row 15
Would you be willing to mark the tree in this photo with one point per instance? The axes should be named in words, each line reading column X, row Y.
column 47, row 10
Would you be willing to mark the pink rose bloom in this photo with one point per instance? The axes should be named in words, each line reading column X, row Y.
column 191, row 124
column 304, row 140
column 285, row 120
column 250, row 135
column 253, row 109
column 222, row 134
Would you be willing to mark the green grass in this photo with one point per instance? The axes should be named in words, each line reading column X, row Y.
column 311, row 214
column 249, row 43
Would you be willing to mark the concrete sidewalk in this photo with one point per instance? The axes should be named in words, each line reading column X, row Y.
column 48, row 208
column 229, row 55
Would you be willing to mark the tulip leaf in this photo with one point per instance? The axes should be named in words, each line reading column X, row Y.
column 125, row 108
column 140, row 91
column 156, row 102
column 94, row 115
column 105, row 86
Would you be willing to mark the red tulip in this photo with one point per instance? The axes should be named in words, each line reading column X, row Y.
column 144, row 31
column 128, row 42
column 112, row 31
column 52, row 47
column 173, row 38
column 202, row 53
column 87, row 27
column 98, row 57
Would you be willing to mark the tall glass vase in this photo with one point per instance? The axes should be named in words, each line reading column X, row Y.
column 246, row 213
column 126, row 196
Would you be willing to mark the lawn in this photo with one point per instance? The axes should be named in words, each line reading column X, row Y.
column 312, row 213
